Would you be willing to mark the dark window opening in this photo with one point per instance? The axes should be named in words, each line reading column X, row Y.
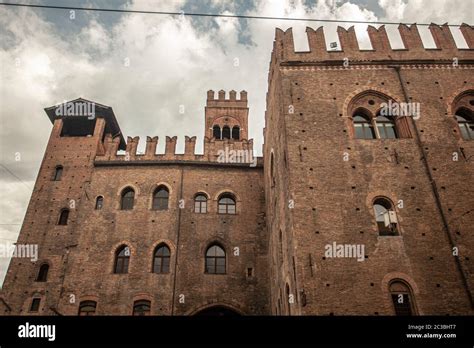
column 43, row 273
column 63, row 217
column 236, row 132
column 122, row 260
column 77, row 126
column 160, row 198
column 35, row 304
column 141, row 308
column 161, row 259
column 465, row 121
column 87, row 308
column 225, row 132
column 99, row 203
column 401, row 298
column 58, row 173
column 363, row 127
column 128, row 196
column 386, row 127
column 216, row 132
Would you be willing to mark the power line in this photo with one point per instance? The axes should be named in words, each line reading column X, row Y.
column 14, row 175
column 194, row 14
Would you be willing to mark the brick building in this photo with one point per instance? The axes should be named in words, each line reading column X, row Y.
column 352, row 211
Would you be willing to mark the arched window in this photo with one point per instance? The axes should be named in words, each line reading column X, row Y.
column 122, row 259
column 58, row 172
column 99, row 203
column 466, row 124
column 236, row 132
column 161, row 259
column 385, row 217
column 225, row 132
column 216, row 132
column 160, row 198
column 226, row 204
column 43, row 273
column 128, row 197
column 141, row 307
column 386, row 127
column 200, row 204
column 87, row 308
column 63, row 217
column 215, row 260
column 401, row 298
column 362, row 126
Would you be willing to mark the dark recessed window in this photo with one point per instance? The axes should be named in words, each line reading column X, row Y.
column 141, row 307
column 216, row 132
column 63, row 217
column 161, row 259
column 385, row 217
column 226, row 204
column 87, row 308
column 127, row 199
column 160, row 198
column 362, row 127
column 401, row 298
column 200, row 204
column 99, row 203
column 35, row 304
column 122, row 259
column 225, row 132
column 43, row 273
column 236, row 132
column 215, row 260
column 58, row 172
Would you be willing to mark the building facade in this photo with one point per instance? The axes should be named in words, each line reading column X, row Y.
column 363, row 203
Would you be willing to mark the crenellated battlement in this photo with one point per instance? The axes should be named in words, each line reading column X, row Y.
column 446, row 49
column 212, row 150
column 222, row 101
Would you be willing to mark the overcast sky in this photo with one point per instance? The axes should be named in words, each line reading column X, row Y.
column 145, row 66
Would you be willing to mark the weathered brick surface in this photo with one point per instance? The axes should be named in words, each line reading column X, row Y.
column 309, row 97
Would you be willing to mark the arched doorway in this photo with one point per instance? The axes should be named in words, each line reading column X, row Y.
column 218, row 311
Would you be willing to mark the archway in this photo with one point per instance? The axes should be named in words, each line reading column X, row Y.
column 217, row 311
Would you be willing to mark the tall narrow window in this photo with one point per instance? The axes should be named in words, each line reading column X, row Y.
column 216, row 132
column 386, row 127
column 236, row 132
column 200, row 204
column 58, row 172
column 226, row 204
column 122, row 259
column 128, row 197
column 385, row 217
column 35, row 304
column 225, row 132
column 87, row 308
column 43, row 273
column 63, row 217
column 99, row 203
column 401, row 298
column 466, row 124
column 363, row 128
column 160, row 198
column 161, row 259
column 141, row 308
column 215, row 260
column 287, row 292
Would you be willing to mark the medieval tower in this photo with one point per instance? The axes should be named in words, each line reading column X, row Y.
column 358, row 206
